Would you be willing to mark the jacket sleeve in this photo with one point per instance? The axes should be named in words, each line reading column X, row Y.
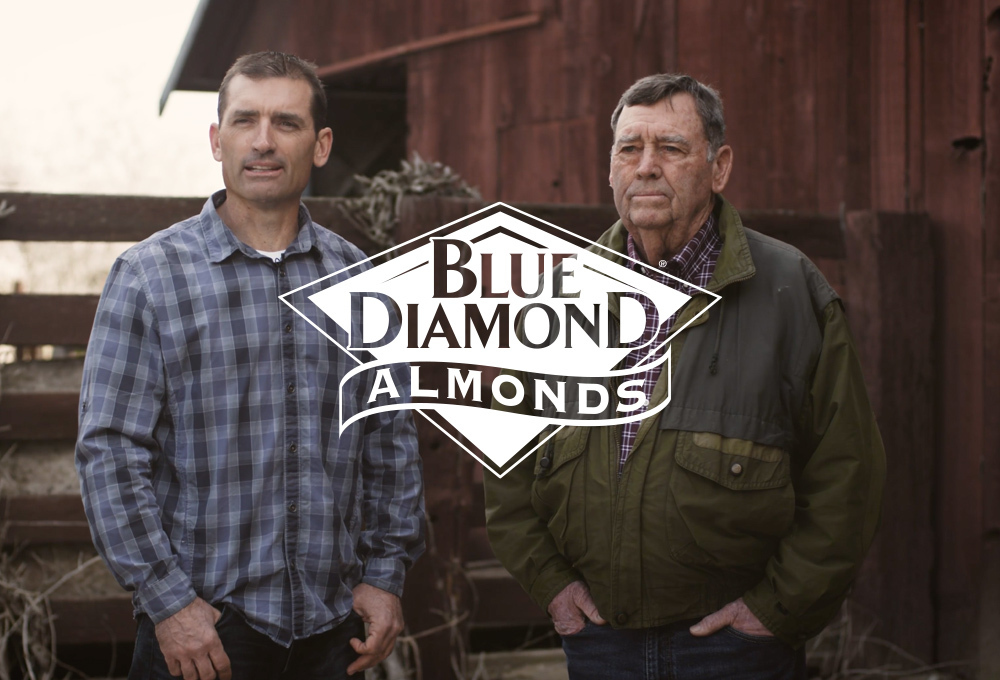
column 121, row 404
column 839, row 471
column 519, row 537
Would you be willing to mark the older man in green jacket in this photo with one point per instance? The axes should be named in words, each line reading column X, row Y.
column 712, row 540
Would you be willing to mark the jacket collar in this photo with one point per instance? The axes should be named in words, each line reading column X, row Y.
column 221, row 242
column 734, row 263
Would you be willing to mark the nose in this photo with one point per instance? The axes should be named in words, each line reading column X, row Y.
column 648, row 164
column 263, row 140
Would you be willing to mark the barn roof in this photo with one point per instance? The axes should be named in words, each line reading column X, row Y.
column 209, row 46
column 221, row 30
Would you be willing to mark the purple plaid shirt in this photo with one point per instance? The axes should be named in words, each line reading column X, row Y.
column 695, row 264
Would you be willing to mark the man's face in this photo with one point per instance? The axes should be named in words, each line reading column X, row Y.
column 660, row 170
column 266, row 140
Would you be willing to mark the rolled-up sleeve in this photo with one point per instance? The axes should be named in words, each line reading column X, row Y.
column 123, row 400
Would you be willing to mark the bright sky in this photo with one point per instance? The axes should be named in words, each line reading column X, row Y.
column 80, row 88
column 79, row 95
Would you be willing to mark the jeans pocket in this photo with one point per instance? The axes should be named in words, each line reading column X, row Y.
column 586, row 624
column 750, row 637
column 228, row 612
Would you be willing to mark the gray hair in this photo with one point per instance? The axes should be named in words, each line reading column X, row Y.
column 652, row 89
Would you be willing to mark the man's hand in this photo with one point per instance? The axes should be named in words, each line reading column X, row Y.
column 190, row 644
column 735, row 614
column 383, row 612
column 571, row 608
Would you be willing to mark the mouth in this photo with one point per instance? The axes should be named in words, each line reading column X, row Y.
column 262, row 168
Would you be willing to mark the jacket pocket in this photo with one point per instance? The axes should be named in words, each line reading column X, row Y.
column 559, row 493
column 731, row 500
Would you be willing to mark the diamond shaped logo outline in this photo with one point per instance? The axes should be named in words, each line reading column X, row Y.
column 450, row 228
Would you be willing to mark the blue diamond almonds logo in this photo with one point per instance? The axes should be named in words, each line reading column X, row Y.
column 502, row 307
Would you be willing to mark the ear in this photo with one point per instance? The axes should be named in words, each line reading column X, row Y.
column 213, row 136
column 721, row 167
column 324, row 142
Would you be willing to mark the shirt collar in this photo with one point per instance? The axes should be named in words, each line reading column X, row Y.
column 222, row 243
column 684, row 263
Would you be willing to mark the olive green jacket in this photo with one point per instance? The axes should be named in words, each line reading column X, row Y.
column 762, row 479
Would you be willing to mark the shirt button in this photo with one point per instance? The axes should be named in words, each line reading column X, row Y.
column 736, row 469
column 292, row 507
column 292, row 448
column 291, row 563
column 621, row 618
column 291, row 388
column 281, row 272
column 288, row 328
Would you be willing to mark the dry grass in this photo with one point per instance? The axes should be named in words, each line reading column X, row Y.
column 27, row 633
column 848, row 649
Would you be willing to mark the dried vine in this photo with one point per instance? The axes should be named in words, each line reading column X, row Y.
column 376, row 211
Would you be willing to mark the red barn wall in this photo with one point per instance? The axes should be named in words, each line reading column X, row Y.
column 831, row 105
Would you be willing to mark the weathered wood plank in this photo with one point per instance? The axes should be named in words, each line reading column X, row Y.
column 915, row 106
column 65, row 508
column 791, row 92
column 68, row 217
column 39, row 416
column 28, row 532
column 953, row 101
column 502, row 602
column 525, row 173
column 989, row 632
column 738, row 67
column 890, row 303
column 832, row 94
column 57, row 217
column 858, row 190
column 107, row 619
column 47, row 319
column 425, row 44
column 889, row 117
column 43, row 519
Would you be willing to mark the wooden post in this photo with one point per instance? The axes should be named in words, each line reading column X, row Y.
column 889, row 296
column 953, row 196
column 435, row 586
column 989, row 621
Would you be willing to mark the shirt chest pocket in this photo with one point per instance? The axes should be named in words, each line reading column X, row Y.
column 731, row 500
column 559, row 494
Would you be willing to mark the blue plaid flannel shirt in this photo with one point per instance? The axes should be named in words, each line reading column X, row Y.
column 208, row 450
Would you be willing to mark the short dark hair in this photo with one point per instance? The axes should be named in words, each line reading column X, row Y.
column 651, row 89
column 261, row 65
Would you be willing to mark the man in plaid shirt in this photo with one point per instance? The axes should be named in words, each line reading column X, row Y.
column 256, row 539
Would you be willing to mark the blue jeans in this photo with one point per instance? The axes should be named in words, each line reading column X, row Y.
column 671, row 653
column 254, row 656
